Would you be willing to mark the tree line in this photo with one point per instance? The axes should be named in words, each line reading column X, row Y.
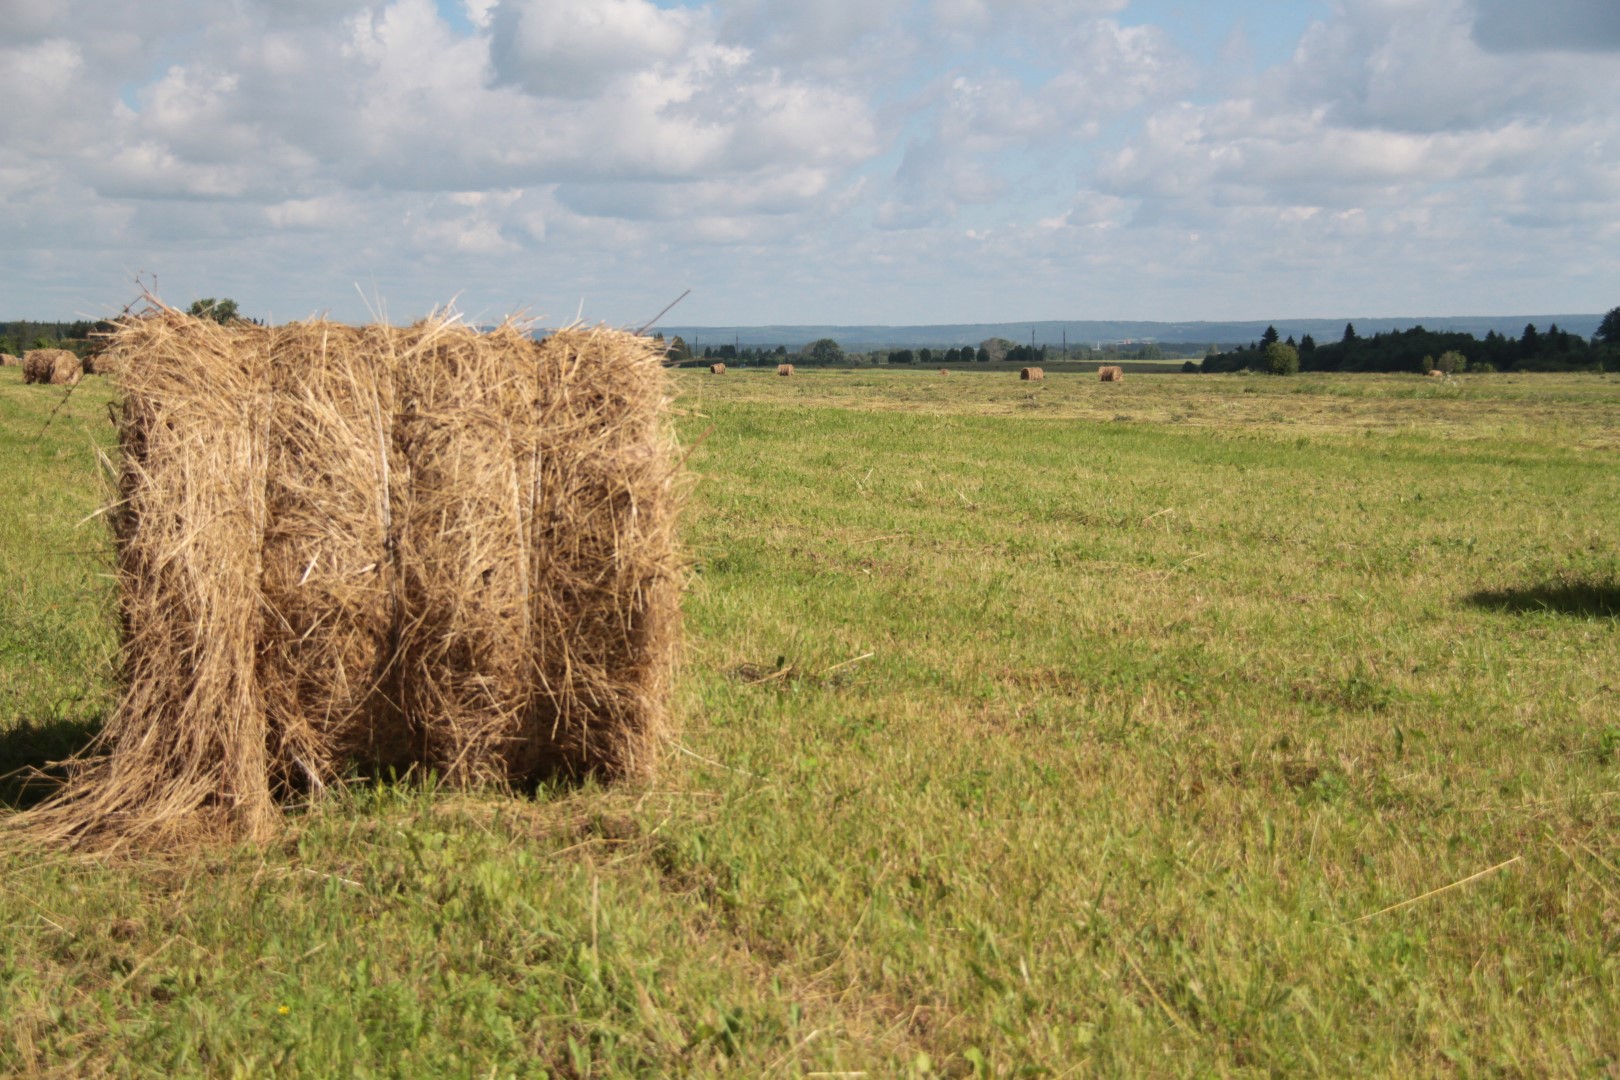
column 1422, row 351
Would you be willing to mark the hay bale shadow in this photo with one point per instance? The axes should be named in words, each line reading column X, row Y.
column 1579, row 599
column 32, row 753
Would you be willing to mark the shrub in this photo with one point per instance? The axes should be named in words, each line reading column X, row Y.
column 1282, row 359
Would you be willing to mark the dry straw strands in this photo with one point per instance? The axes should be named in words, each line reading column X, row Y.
column 420, row 547
column 59, row 367
column 1032, row 374
column 1111, row 373
column 7, row 360
column 784, row 369
column 717, row 369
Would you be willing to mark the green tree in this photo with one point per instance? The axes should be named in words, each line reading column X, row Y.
column 823, row 351
column 1269, row 338
column 679, row 351
column 1349, row 333
column 221, row 311
column 983, row 355
column 1608, row 330
column 1451, row 361
column 1282, row 359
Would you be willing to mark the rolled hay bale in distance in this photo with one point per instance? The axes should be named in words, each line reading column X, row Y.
column 1111, row 373
column 1032, row 374
column 7, row 360
column 784, row 369
column 944, row 371
column 717, row 369
column 1433, row 374
column 58, row 367
column 420, row 547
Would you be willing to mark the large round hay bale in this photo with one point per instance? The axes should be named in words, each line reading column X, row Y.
column 58, row 367
column 1032, row 374
column 7, row 360
column 55, row 366
column 784, row 369
column 422, row 548
column 1436, row 374
column 717, row 369
column 1111, row 373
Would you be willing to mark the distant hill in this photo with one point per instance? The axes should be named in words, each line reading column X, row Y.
column 1091, row 332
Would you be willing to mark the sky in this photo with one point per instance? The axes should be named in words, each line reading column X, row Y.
column 829, row 162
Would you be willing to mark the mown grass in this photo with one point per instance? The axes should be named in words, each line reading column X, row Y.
column 1027, row 731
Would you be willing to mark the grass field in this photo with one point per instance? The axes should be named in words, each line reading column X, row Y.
column 1185, row 726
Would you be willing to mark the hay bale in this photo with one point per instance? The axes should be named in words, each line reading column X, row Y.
column 1111, row 373
column 1437, row 374
column 58, row 367
column 422, row 547
column 7, row 360
column 1032, row 374
column 717, row 369
column 944, row 371
column 784, row 369
column 184, row 750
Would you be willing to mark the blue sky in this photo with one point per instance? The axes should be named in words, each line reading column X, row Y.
column 848, row 161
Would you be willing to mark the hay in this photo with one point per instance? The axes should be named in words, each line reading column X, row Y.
column 1435, row 374
column 784, row 369
column 7, row 360
column 422, row 547
column 58, row 367
column 1111, row 373
column 1032, row 374
column 944, row 371
column 717, row 369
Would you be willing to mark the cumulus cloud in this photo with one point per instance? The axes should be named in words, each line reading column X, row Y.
column 853, row 152
column 1567, row 25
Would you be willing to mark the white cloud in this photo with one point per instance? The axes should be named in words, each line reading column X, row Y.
column 847, row 159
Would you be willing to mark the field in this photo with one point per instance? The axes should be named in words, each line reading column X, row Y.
column 1184, row 726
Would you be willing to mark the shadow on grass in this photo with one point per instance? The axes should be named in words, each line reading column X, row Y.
column 1581, row 599
column 29, row 753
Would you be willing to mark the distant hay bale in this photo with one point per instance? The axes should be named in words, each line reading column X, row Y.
column 1032, row 374
column 1111, row 373
column 717, row 369
column 7, row 360
column 944, row 371
column 784, row 369
column 58, row 367
column 418, row 547
column 1434, row 374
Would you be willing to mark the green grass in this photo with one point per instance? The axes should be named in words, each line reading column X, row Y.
column 1038, row 731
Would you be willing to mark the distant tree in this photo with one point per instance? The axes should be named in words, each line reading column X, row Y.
column 1349, row 333
column 1608, row 330
column 221, row 311
column 1451, row 361
column 983, row 355
column 901, row 356
column 1269, row 338
column 1190, row 367
column 781, row 350
column 1307, row 344
column 678, row 351
column 823, row 351
column 1281, row 359
column 925, row 356
column 997, row 348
